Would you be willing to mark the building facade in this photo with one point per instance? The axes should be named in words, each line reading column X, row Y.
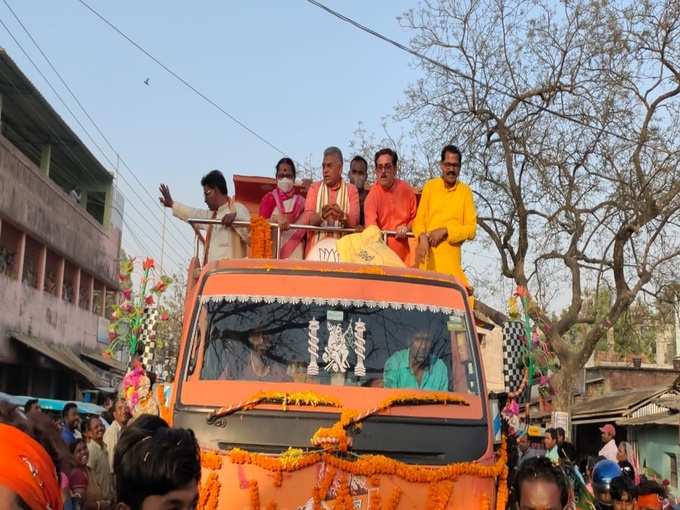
column 59, row 250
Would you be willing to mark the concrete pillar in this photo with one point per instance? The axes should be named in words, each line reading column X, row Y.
column 90, row 304
column 46, row 159
column 42, row 268
column 108, row 204
column 19, row 260
column 103, row 301
column 83, row 199
column 76, row 287
column 60, row 277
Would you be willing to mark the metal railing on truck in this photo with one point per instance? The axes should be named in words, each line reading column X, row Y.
column 277, row 228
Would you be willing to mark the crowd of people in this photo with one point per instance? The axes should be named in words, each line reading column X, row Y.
column 101, row 462
column 548, row 473
column 441, row 222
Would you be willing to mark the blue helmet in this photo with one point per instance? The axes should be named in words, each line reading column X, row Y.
column 603, row 473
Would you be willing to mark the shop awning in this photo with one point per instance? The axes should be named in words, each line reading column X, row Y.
column 108, row 363
column 60, row 354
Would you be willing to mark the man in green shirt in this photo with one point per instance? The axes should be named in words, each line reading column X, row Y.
column 416, row 367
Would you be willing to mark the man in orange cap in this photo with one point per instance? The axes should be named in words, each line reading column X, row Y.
column 27, row 474
column 609, row 450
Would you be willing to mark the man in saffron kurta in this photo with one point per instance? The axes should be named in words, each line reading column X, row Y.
column 391, row 203
column 331, row 201
column 446, row 218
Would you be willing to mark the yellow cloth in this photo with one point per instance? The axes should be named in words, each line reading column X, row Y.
column 367, row 247
column 454, row 210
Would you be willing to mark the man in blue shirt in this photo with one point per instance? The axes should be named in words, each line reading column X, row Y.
column 416, row 367
column 71, row 419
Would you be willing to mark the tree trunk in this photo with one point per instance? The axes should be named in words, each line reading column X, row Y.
column 564, row 385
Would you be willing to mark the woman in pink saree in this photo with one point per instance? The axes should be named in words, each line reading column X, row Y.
column 284, row 206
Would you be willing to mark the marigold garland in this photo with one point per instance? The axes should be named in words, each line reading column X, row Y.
column 211, row 460
column 440, row 478
column 254, row 495
column 393, row 502
column 343, row 500
column 335, row 437
column 438, row 495
column 278, row 478
column 327, row 482
column 374, row 499
column 484, row 502
column 316, row 499
column 296, row 398
column 260, row 238
column 370, row 465
column 209, row 493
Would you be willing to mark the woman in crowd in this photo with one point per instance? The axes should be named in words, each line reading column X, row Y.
column 628, row 461
column 284, row 206
column 85, row 493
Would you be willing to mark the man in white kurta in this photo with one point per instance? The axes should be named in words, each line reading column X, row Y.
column 223, row 241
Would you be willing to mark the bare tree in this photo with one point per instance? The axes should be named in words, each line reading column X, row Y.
column 568, row 116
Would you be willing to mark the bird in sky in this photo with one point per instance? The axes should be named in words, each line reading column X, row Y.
column 146, row 82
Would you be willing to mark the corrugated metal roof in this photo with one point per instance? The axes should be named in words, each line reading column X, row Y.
column 616, row 402
column 670, row 402
column 652, row 419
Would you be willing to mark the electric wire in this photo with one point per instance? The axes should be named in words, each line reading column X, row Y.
column 460, row 73
column 185, row 82
column 87, row 114
column 84, row 167
column 67, row 149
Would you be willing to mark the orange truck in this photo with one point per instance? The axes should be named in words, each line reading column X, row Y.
column 317, row 385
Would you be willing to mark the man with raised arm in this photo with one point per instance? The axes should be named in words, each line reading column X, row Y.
column 391, row 203
column 223, row 241
column 446, row 218
column 331, row 202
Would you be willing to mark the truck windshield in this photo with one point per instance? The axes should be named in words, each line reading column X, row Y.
column 340, row 343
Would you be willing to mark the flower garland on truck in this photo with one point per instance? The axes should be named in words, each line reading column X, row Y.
column 334, row 440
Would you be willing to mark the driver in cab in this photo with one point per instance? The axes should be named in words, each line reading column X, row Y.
column 416, row 367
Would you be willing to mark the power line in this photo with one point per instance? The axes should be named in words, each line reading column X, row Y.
column 185, row 82
column 131, row 203
column 75, row 97
column 53, row 133
column 449, row 69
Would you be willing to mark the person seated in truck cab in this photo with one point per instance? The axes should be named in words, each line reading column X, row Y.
column 257, row 364
column 416, row 367
column 284, row 206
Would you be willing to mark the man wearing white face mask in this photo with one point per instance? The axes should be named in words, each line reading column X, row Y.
column 284, row 206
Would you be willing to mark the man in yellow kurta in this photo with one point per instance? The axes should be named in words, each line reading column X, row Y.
column 446, row 218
